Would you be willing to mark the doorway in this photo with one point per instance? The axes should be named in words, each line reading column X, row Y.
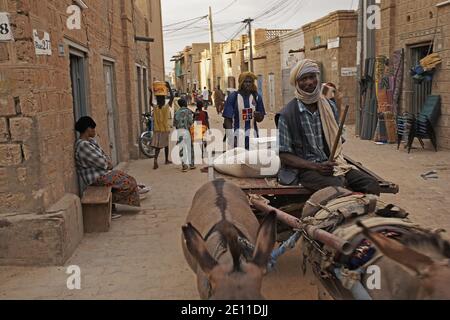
column 145, row 90
column 79, row 94
column 139, row 98
column 78, row 79
column 420, row 90
column 108, row 70
column 260, row 85
column 288, row 92
column 231, row 83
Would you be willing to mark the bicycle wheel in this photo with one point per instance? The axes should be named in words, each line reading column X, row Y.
column 145, row 144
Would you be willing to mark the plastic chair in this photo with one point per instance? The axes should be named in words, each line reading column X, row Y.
column 422, row 126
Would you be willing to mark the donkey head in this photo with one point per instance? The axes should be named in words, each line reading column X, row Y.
column 434, row 274
column 238, row 280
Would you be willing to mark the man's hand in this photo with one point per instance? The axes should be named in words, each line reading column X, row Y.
column 259, row 117
column 326, row 168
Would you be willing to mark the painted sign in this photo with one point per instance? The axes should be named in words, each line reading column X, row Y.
column 42, row 46
column 5, row 27
column 334, row 43
column 349, row 72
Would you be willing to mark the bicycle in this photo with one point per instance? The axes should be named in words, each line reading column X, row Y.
column 145, row 140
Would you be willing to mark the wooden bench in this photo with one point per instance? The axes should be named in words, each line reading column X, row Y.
column 97, row 206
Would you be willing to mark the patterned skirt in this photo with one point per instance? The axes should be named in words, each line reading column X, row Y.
column 124, row 188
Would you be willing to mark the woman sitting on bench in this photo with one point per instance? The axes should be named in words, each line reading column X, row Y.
column 95, row 168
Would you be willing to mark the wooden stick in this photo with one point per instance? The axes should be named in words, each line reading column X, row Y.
column 314, row 233
column 339, row 135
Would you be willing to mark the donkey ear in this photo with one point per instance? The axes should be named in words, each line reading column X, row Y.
column 398, row 252
column 265, row 240
column 197, row 247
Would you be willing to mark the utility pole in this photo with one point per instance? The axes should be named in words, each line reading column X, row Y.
column 211, row 50
column 249, row 24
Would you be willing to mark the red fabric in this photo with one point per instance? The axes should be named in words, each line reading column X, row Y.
column 201, row 116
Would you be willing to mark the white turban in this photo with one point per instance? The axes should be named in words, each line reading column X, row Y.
column 303, row 67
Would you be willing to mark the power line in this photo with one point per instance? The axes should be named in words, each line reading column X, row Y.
column 287, row 13
column 275, row 5
column 190, row 24
column 237, row 32
column 189, row 20
column 180, row 22
column 226, row 8
column 279, row 9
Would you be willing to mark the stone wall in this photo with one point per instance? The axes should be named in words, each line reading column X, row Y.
column 37, row 117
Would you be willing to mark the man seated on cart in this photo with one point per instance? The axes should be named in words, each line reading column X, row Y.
column 307, row 130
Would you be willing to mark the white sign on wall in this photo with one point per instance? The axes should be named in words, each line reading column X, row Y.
column 5, row 27
column 42, row 46
column 348, row 72
column 334, row 43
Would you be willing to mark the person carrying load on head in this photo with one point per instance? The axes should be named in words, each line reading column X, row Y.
column 161, row 115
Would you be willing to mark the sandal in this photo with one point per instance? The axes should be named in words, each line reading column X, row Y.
column 143, row 189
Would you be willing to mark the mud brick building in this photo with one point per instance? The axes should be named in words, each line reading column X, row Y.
column 331, row 41
column 292, row 45
column 232, row 61
column 50, row 75
column 419, row 28
column 267, row 66
column 187, row 71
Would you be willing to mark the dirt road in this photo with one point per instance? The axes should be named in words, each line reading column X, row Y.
column 141, row 257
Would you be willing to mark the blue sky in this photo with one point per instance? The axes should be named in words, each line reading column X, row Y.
column 230, row 12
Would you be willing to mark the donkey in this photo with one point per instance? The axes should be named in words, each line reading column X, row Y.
column 221, row 213
column 425, row 266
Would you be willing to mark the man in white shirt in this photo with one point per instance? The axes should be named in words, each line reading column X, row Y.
column 205, row 97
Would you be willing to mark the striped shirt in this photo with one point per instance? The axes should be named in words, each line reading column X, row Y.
column 91, row 161
column 314, row 150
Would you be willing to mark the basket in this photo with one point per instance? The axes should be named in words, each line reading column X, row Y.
column 160, row 88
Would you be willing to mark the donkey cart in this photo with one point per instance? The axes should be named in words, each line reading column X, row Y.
column 341, row 238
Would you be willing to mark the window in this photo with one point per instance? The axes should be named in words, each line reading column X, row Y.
column 229, row 64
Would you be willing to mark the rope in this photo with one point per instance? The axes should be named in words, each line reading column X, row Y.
column 282, row 249
column 286, row 246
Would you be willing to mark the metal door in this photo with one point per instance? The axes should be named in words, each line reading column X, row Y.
column 78, row 79
column 271, row 92
column 108, row 71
